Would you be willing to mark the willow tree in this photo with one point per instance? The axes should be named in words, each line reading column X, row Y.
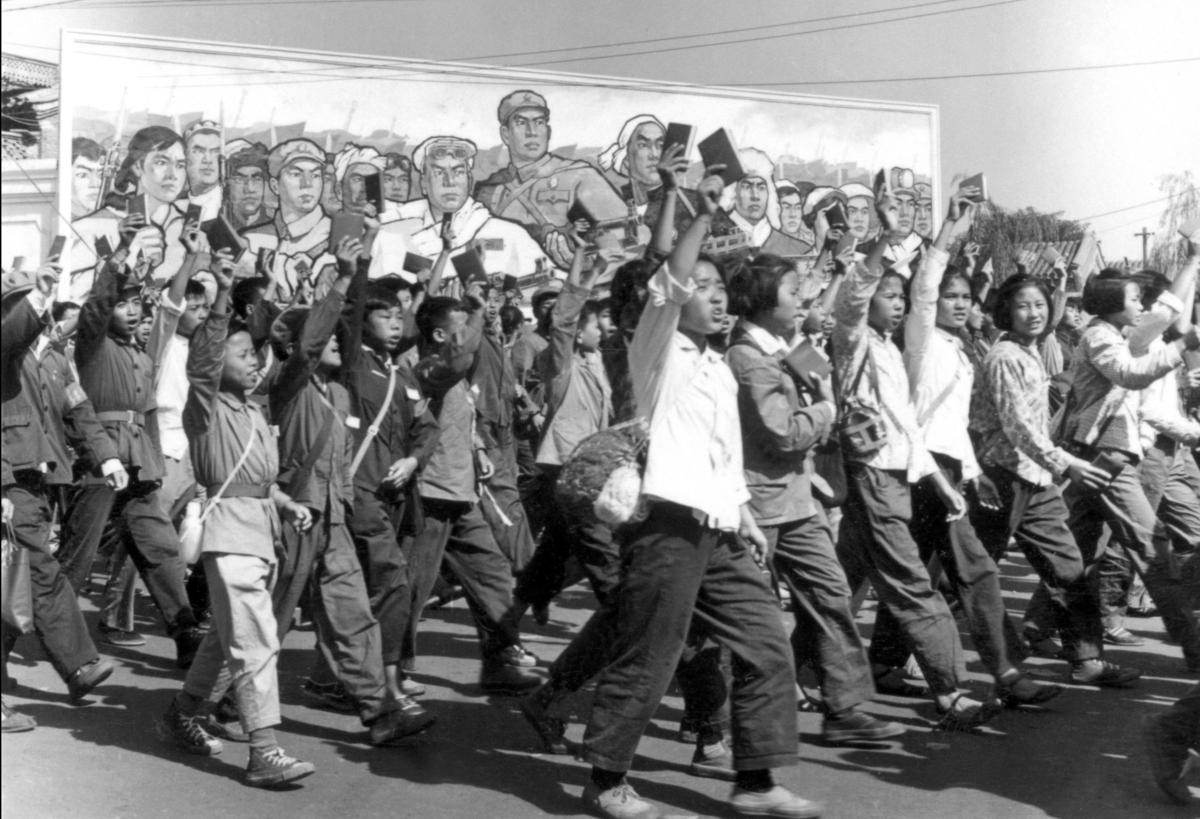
column 1183, row 204
column 999, row 231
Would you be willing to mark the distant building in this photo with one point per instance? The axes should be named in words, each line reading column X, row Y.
column 30, row 159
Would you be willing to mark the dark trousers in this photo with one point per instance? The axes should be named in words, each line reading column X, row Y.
column 146, row 533
column 458, row 532
column 1125, row 509
column 323, row 561
column 514, row 538
column 875, row 543
column 674, row 571
column 568, row 551
column 536, row 498
column 972, row 575
column 374, row 523
column 56, row 618
column 825, row 636
column 1036, row 517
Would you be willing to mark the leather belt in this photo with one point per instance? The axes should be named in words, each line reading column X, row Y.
column 122, row 417
column 241, row 490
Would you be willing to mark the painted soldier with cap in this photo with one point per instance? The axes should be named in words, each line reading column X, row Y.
column 246, row 172
column 298, row 236
column 538, row 188
column 446, row 165
column 202, row 146
column 351, row 167
column 30, row 464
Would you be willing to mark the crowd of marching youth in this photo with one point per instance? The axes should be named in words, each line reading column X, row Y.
column 690, row 440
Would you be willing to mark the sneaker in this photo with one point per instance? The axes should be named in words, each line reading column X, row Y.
column 549, row 729
column 619, row 802
column 517, row 656
column 1167, row 760
column 188, row 733
column 187, row 643
column 1102, row 673
column 856, row 726
column 507, row 679
column 1121, row 636
column 121, row 638
column 778, row 801
column 405, row 720
column 712, row 762
column 273, row 767
column 15, row 722
column 411, row 688
column 86, row 677
column 332, row 696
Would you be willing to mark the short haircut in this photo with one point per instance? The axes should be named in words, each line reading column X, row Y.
column 590, row 312
column 1105, row 292
column 194, row 289
column 236, row 326
column 434, row 313
column 629, row 282
column 1153, row 285
column 60, row 309
column 511, row 318
column 143, row 143
column 754, row 285
column 1006, row 295
column 87, row 148
column 378, row 297
column 952, row 275
column 719, row 266
column 245, row 294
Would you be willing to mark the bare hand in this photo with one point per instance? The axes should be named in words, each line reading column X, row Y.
column 401, row 472
column 222, row 269
column 118, row 479
column 47, row 278
column 755, row 539
column 672, row 167
column 824, row 391
column 559, row 249
column 193, row 239
column 887, row 208
column 484, row 465
column 149, row 240
column 710, row 190
column 298, row 514
column 8, row 510
column 128, row 227
column 1087, row 475
column 349, row 248
column 988, row 494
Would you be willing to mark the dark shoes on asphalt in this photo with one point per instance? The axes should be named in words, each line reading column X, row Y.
column 332, row 696
column 121, row 638
column 508, row 672
column 87, row 677
column 550, row 730
column 855, row 726
column 273, row 767
column 1102, row 673
column 406, row 720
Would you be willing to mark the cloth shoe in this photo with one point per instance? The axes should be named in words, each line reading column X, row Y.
column 273, row 767
column 619, row 802
column 966, row 714
column 405, row 720
column 1039, row 643
column 502, row 678
column 778, row 801
column 332, row 696
column 518, row 656
column 87, row 677
column 15, row 722
column 1121, row 636
column 712, row 762
column 549, row 729
column 1102, row 673
column 856, row 726
column 1021, row 690
column 121, row 638
column 188, row 733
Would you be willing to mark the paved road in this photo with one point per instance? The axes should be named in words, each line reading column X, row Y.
column 1082, row 758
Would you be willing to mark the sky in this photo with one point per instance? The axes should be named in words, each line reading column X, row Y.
column 1084, row 142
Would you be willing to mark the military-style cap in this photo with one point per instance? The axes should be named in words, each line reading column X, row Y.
column 439, row 146
column 517, row 100
column 251, row 156
column 550, row 288
column 294, row 150
column 353, row 154
column 201, row 126
column 903, row 180
column 924, row 191
column 857, row 190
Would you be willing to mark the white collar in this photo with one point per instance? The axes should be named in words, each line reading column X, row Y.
column 759, row 232
column 770, row 343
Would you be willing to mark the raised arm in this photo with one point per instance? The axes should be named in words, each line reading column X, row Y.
column 671, row 168
column 320, row 324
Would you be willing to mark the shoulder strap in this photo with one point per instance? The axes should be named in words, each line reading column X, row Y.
column 373, row 430
column 924, row 417
column 314, row 454
column 212, row 502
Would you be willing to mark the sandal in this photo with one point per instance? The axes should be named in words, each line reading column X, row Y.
column 892, row 682
column 1024, row 691
column 966, row 714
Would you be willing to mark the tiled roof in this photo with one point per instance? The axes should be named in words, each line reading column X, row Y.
column 1084, row 253
column 24, row 72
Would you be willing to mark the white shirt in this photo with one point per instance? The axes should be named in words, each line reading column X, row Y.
column 689, row 397
column 939, row 371
column 169, row 352
column 1161, row 410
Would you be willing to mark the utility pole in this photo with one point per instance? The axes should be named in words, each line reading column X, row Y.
column 1145, row 236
